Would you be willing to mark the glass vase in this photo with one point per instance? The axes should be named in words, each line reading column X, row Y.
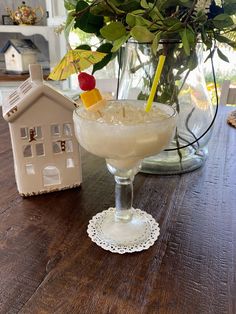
column 182, row 85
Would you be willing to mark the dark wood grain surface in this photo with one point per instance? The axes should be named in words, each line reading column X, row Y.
column 49, row 265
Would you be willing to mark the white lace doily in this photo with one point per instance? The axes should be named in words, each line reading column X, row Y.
column 134, row 236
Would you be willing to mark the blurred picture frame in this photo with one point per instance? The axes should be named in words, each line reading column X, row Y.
column 6, row 20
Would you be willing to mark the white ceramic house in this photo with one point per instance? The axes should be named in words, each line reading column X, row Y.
column 19, row 53
column 45, row 150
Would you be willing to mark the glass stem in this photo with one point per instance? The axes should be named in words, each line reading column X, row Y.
column 123, row 198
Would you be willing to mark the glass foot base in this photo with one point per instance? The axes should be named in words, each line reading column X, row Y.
column 136, row 235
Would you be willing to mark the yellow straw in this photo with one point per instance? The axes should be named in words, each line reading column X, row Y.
column 155, row 82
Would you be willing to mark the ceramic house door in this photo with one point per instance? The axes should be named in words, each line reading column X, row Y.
column 51, row 176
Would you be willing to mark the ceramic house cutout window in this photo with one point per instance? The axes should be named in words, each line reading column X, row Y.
column 38, row 132
column 25, row 84
column 67, row 129
column 51, row 176
column 24, row 133
column 14, row 100
column 55, row 130
column 27, row 151
column 70, row 163
column 39, row 147
column 13, row 95
column 69, row 146
column 56, row 147
column 29, row 169
column 25, row 87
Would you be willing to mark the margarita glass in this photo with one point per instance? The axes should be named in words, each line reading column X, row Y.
column 123, row 133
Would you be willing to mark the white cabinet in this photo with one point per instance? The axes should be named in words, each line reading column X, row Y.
column 56, row 12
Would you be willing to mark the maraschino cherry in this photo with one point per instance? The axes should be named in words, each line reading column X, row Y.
column 86, row 81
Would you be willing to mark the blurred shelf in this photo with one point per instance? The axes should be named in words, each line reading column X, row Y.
column 28, row 29
column 10, row 77
column 56, row 42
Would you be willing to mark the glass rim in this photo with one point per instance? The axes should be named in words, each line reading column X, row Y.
column 170, row 116
column 162, row 41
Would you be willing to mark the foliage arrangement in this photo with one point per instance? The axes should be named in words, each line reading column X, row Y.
column 178, row 25
column 152, row 21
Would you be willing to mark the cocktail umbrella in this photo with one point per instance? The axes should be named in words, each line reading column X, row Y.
column 75, row 61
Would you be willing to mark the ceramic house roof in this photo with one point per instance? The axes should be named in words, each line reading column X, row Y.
column 21, row 45
column 29, row 92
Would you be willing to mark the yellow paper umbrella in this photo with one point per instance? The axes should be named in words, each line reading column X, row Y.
column 75, row 61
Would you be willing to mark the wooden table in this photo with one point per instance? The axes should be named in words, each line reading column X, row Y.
column 49, row 265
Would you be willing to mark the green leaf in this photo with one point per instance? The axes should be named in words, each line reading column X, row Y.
column 70, row 4
column 207, row 40
column 119, row 42
column 102, row 8
column 191, row 38
column 86, row 21
column 114, row 7
column 133, row 20
column 188, row 40
column 130, row 6
column 144, row 4
column 138, row 12
column 107, row 47
column 211, row 54
column 81, row 5
column 230, row 8
column 142, row 96
column 89, row 23
column 142, row 34
column 154, row 13
column 130, row 19
column 222, row 21
column 193, row 61
column 223, row 39
column 175, row 27
column 200, row 17
column 113, row 31
column 170, row 21
column 185, row 42
column 155, row 43
column 118, row 2
column 222, row 56
column 84, row 47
